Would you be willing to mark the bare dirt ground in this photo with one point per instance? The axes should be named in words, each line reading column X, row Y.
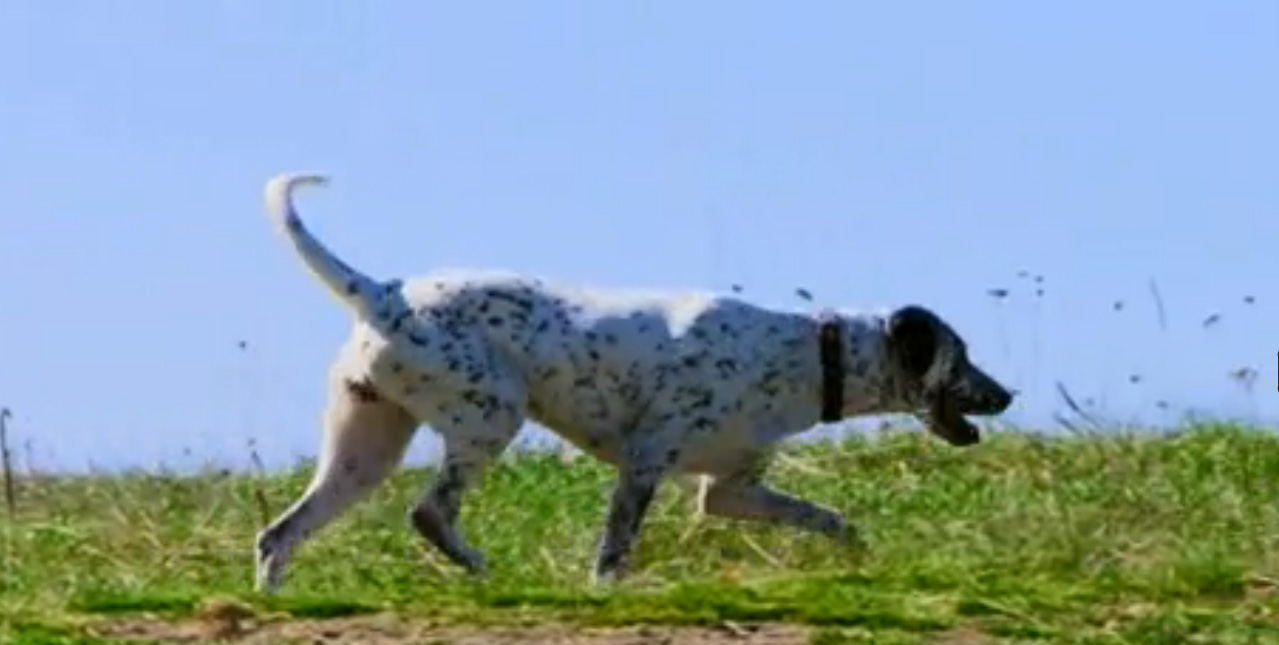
column 388, row 629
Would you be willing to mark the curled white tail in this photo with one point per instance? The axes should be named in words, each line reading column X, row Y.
column 353, row 288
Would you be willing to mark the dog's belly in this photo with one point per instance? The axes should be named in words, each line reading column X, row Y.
column 727, row 449
column 585, row 417
column 595, row 441
column 715, row 453
column 732, row 445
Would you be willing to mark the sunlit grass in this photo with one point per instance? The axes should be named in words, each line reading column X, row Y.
column 1158, row 537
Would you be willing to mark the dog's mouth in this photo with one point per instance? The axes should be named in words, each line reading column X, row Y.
column 944, row 414
column 944, row 419
column 945, row 410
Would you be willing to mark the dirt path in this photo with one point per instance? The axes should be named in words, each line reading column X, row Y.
column 388, row 629
column 234, row 623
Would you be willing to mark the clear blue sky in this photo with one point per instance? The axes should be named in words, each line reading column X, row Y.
column 875, row 153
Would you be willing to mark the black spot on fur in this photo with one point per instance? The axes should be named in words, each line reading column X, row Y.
column 362, row 390
column 399, row 320
column 350, row 464
column 522, row 303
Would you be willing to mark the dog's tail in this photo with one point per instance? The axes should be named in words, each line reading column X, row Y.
column 354, row 289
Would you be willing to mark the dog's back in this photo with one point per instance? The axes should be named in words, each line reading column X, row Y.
column 589, row 357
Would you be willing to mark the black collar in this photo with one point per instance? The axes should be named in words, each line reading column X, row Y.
column 831, row 342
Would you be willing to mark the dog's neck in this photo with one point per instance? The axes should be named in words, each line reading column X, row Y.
column 845, row 365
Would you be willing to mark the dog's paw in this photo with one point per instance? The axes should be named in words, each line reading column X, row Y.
column 267, row 579
column 607, row 572
column 473, row 562
column 604, row 579
column 269, row 564
column 854, row 542
column 610, row 567
column 263, row 586
column 847, row 534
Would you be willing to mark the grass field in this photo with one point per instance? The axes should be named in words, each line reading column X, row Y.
column 1109, row 538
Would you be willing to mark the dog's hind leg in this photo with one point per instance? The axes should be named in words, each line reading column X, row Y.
column 476, row 430
column 365, row 437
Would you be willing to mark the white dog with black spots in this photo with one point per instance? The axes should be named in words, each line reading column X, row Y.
column 655, row 384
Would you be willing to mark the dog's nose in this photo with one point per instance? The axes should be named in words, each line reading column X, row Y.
column 1002, row 399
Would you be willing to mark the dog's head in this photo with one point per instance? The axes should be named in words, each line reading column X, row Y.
column 935, row 378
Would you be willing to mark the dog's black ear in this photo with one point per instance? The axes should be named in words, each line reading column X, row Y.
column 927, row 350
column 917, row 336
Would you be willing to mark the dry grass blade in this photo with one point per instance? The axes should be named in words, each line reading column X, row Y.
column 259, row 495
column 1075, row 407
column 1159, row 305
column 1065, row 423
column 10, row 496
column 799, row 465
column 762, row 553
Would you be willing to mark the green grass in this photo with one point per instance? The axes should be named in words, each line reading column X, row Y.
column 1115, row 538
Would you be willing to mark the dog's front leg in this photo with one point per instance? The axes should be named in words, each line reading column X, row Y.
column 632, row 494
column 746, row 498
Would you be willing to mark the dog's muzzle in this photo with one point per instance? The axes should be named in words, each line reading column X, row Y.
column 980, row 396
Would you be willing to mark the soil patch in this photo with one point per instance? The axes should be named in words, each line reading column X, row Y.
column 387, row 629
